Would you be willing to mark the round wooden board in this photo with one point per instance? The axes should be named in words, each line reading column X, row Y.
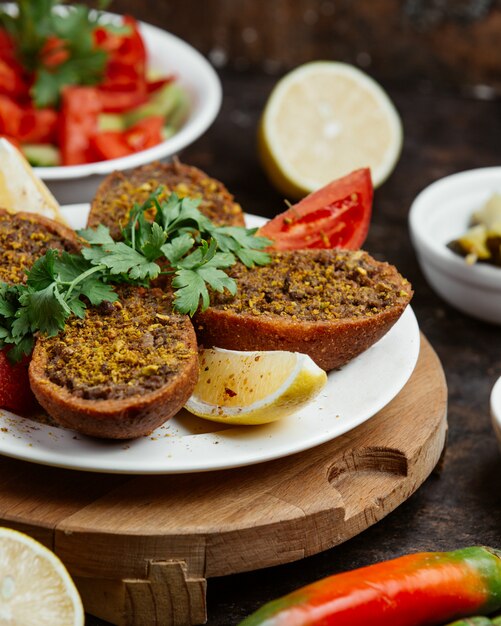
column 141, row 548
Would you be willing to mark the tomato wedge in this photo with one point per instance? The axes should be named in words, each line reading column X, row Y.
column 115, row 144
column 335, row 216
column 78, row 123
column 15, row 392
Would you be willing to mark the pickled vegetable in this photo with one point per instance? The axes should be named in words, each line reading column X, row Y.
column 482, row 241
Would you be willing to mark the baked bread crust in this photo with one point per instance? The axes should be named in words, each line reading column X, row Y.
column 249, row 321
column 123, row 416
column 24, row 237
column 120, row 190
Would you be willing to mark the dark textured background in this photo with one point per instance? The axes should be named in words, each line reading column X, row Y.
column 440, row 61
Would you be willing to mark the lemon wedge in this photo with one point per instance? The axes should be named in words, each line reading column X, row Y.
column 35, row 588
column 253, row 387
column 21, row 189
column 324, row 120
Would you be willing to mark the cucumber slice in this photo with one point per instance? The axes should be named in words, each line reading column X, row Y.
column 41, row 154
column 163, row 103
column 110, row 121
column 180, row 114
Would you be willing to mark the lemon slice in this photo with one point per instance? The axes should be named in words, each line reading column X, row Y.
column 253, row 387
column 21, row 189
column 324, row 120
column 35, row 588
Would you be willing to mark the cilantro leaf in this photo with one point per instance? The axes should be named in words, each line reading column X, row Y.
column 46, row 311
column 42, row 274
column 252, row 257
column 96, row 290
column 178, row 247
column 152, row 248
column 122, row 259
column 23, row 348
column 190, row 288
column 98, row 236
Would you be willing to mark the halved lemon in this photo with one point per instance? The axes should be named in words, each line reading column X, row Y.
column 35, row 588
column 324, row 120
column 253, row 387
column 21, row 189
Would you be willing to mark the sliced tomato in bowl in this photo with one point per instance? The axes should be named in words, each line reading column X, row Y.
column 335, row 216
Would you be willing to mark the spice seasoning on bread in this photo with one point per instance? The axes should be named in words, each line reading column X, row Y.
column 121, row 371
column 119, row 191
column 24, row 237
column 330, row 304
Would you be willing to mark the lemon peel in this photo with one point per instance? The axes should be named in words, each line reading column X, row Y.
column 249, row 388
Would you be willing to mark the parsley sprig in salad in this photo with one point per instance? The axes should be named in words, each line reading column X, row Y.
column 181, row 242
column 57, row 48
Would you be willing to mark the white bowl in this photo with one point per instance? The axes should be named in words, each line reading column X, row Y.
column 442, row 213
column 169, row 55
column 496, row 409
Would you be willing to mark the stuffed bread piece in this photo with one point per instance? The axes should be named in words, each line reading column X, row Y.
column 329, row 304
column 24, row 237
column 117, row 193
column 120, row 372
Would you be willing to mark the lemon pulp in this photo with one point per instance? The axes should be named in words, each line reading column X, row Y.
column 324, row 120
column 253, row 387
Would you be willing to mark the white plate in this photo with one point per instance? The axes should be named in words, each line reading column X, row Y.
column 189, row 444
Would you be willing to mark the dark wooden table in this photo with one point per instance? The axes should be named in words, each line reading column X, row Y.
column 461, row 505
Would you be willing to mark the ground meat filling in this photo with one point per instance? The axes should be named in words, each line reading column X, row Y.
column 112, row 207
column 118, row 350
column 22, row 242
column 316, row 285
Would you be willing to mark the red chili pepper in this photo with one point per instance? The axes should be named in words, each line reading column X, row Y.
column 15, row 391
column 424, row 589
column 78, row 124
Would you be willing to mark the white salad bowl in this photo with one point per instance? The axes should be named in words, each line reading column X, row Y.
column 440, row 214
column 496, row 409
column 167, row 55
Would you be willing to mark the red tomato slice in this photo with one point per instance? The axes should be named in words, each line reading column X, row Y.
column 115, row 144
column 38, row 126
column 11, row 115
column 335, row 216
column 146, row 133
column 110, row 145
column 78, row 123
column 119, row 101
column 15, row 391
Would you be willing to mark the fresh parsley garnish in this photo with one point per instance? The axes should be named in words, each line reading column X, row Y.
column 180, row 242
